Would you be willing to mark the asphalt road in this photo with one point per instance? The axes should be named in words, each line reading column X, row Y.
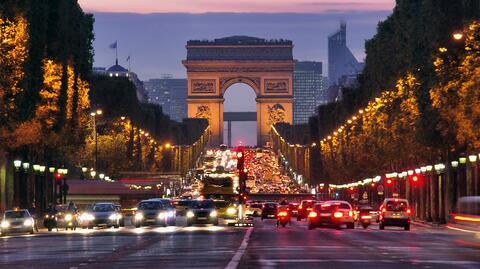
column 263, row 246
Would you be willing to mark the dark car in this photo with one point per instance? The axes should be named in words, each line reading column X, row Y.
column 202, row 211
column 269, row 210
column 304, row 208
column 182, row 206
column 154, row 212
column 331, row 213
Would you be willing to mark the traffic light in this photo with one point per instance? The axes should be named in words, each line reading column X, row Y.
column 389, row 181
column 240, row 160
column 415, row 178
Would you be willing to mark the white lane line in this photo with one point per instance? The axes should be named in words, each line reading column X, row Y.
column 233, row 264
column 272, row 262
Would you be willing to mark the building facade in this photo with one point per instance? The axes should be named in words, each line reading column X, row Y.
column 341, row 61
column 171, row 94
column 308, row 90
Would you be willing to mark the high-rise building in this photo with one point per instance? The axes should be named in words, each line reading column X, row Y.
column 308, row 90
column 171, row 94
column 341, row 61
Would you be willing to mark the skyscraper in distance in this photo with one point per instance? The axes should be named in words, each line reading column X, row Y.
column 308, row 90
column 341, row 61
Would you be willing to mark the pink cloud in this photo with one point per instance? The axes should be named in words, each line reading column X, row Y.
column 202, row 6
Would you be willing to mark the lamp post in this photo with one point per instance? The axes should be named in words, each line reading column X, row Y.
column 473, row 185
column 94, row 115
column 440, row 193
column 16, row 184
column 51, row 184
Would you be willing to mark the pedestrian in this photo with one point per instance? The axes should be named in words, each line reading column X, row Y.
column 33, row 213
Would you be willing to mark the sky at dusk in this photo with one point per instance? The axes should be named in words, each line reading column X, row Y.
column 156, row 42
column 201, row 6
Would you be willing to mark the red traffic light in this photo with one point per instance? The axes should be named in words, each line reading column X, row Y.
column 415, row 178
column 389, row 181
column 58, row 176
column 351, row 188
column 373, row 185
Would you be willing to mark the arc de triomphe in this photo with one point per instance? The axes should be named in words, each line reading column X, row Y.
column 265, row 65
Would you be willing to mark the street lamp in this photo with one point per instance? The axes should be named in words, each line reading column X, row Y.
column 454, row 164
column 93, row 173
column 101, row 176
column 94, row 115
column 17, row 164
column 457, row 35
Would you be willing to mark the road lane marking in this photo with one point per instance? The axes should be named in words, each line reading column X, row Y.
column 462, row 230
column 233, row 264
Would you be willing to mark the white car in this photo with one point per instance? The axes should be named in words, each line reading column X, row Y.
column 19, row 221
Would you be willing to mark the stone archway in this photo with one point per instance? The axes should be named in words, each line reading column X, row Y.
column 266, row 66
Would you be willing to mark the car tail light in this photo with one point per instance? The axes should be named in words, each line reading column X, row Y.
column 384, row 210
column 300, row 207
column 337, row 214
column 366, row 217
column 309, row 209
column 312, row 214
column 350, row 213
column 409, row 211
column 282, row 214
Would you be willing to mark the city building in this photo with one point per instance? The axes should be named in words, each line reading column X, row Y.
column 170, row 93
column 341, row 61
column 308, row 90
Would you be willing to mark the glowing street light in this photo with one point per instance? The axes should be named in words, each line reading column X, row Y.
column 17, row 163
column 457, row 36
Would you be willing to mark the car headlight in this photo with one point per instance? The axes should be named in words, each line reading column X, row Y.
column 5, row 224
column 113, row 217
column 161, row 215
column 213, row 214
column 139, row 216
column 171, row 214
column 190, row 214
column 231, row 210
column 28, row 222
column 68, row 217
column 86, row 217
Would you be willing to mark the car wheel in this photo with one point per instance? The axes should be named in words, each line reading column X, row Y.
column 137, row 225
column 189, row 223
column 49, row 229
column 116, row 226
column 90, row 227
column 4, row 233
column 365, row 226
column 350, row 226
column 407, row 227
column 215, row 223
column 381, row 226
column 32, row 231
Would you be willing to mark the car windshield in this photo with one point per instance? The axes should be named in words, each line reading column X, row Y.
column 103, row 208
column 396, row 206
column 308, row 203
column 151, row 205
column 16, row 214
column 203, row 204
column 183, row 203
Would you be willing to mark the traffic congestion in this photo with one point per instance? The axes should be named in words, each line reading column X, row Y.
column 277, row 224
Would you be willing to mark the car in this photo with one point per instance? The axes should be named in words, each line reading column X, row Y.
column 254, row 209
column 269, row 210
column 395, row 212
column 154, row 212
column 182, row 206
column 304, row 208
column 66, row 219
column 331, row 213
column 100, row 215
column 17, row 221
column 225, row 209
column 202, row 211
column 293, row 207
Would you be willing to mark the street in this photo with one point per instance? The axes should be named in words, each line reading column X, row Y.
column 263, row 246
